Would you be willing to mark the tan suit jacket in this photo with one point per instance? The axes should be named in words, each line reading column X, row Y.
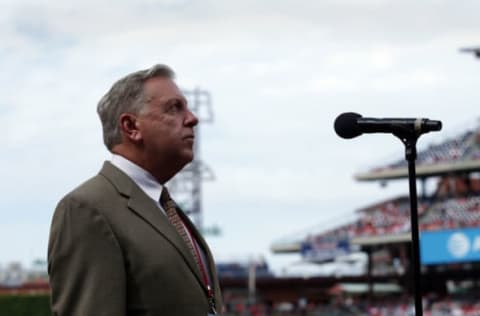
column 113, row 253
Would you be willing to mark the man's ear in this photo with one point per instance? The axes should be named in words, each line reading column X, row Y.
column 129, row 128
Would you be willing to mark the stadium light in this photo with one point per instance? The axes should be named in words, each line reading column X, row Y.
column 474, row 50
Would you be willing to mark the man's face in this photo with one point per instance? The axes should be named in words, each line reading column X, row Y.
column 166, row 124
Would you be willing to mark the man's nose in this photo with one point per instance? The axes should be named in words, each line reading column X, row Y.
column 191, row 119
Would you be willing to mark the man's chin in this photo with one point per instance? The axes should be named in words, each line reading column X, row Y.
column 187, row 157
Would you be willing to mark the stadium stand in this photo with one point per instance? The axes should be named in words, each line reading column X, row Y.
column 386, row 218
column 462, row 147
column 460, row 153
column 452, row 213
column 383, row 230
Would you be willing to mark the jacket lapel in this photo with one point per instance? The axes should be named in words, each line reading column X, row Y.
column 146, row 208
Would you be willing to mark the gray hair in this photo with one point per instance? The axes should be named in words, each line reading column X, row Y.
column 126, row 95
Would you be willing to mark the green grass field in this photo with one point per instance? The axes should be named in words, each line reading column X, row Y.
column 25, row 305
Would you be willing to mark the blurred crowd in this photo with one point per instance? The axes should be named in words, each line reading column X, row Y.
column 393, row 217
column 465, row 305
column 462, row 147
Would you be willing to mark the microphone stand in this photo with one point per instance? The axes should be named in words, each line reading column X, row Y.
column 409, row 139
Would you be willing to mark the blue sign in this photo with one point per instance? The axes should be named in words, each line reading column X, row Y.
column 448, row 246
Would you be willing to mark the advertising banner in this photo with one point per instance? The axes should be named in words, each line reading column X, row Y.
column 449, row 246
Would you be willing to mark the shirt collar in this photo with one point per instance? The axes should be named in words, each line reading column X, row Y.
column 140, row 176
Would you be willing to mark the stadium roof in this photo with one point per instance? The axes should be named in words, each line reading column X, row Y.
column 287, row 246
column 381, row 239
column 293, row 243
column 455, row 155
column 421, row 170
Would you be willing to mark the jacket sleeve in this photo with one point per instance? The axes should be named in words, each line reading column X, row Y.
column 85, row 263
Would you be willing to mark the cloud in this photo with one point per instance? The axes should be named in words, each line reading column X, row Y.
column 278, row 73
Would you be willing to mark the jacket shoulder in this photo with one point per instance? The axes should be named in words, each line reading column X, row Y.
column 108, row 184
column 93, row 190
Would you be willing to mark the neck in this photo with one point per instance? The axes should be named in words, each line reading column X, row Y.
column 162, row 171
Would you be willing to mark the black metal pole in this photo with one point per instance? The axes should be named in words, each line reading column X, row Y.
column 411, row 155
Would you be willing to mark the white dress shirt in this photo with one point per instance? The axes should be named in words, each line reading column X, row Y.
column 141, row 177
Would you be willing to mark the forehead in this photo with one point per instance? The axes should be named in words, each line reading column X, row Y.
column 161, row 88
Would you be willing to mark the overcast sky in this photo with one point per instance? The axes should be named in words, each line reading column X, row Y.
column 279, row 73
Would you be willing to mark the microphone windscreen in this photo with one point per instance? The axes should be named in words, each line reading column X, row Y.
column 346, row 125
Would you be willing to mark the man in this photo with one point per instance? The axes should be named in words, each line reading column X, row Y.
column 118, row 244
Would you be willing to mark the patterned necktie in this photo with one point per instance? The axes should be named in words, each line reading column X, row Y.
column 169, row 206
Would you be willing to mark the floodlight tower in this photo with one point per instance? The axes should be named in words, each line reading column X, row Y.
column 474, row 50
column 186, row 186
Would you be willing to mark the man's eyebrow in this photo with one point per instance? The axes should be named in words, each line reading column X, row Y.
column 178, row 99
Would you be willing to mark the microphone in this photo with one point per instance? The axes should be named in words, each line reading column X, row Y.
column 350, row 125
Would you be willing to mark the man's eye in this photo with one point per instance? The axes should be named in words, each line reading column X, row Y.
column 175, row 107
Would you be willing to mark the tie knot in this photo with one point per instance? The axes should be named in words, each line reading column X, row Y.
column 164, row 196
column 165, row 200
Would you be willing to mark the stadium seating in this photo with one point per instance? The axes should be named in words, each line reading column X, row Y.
column 460, row 148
